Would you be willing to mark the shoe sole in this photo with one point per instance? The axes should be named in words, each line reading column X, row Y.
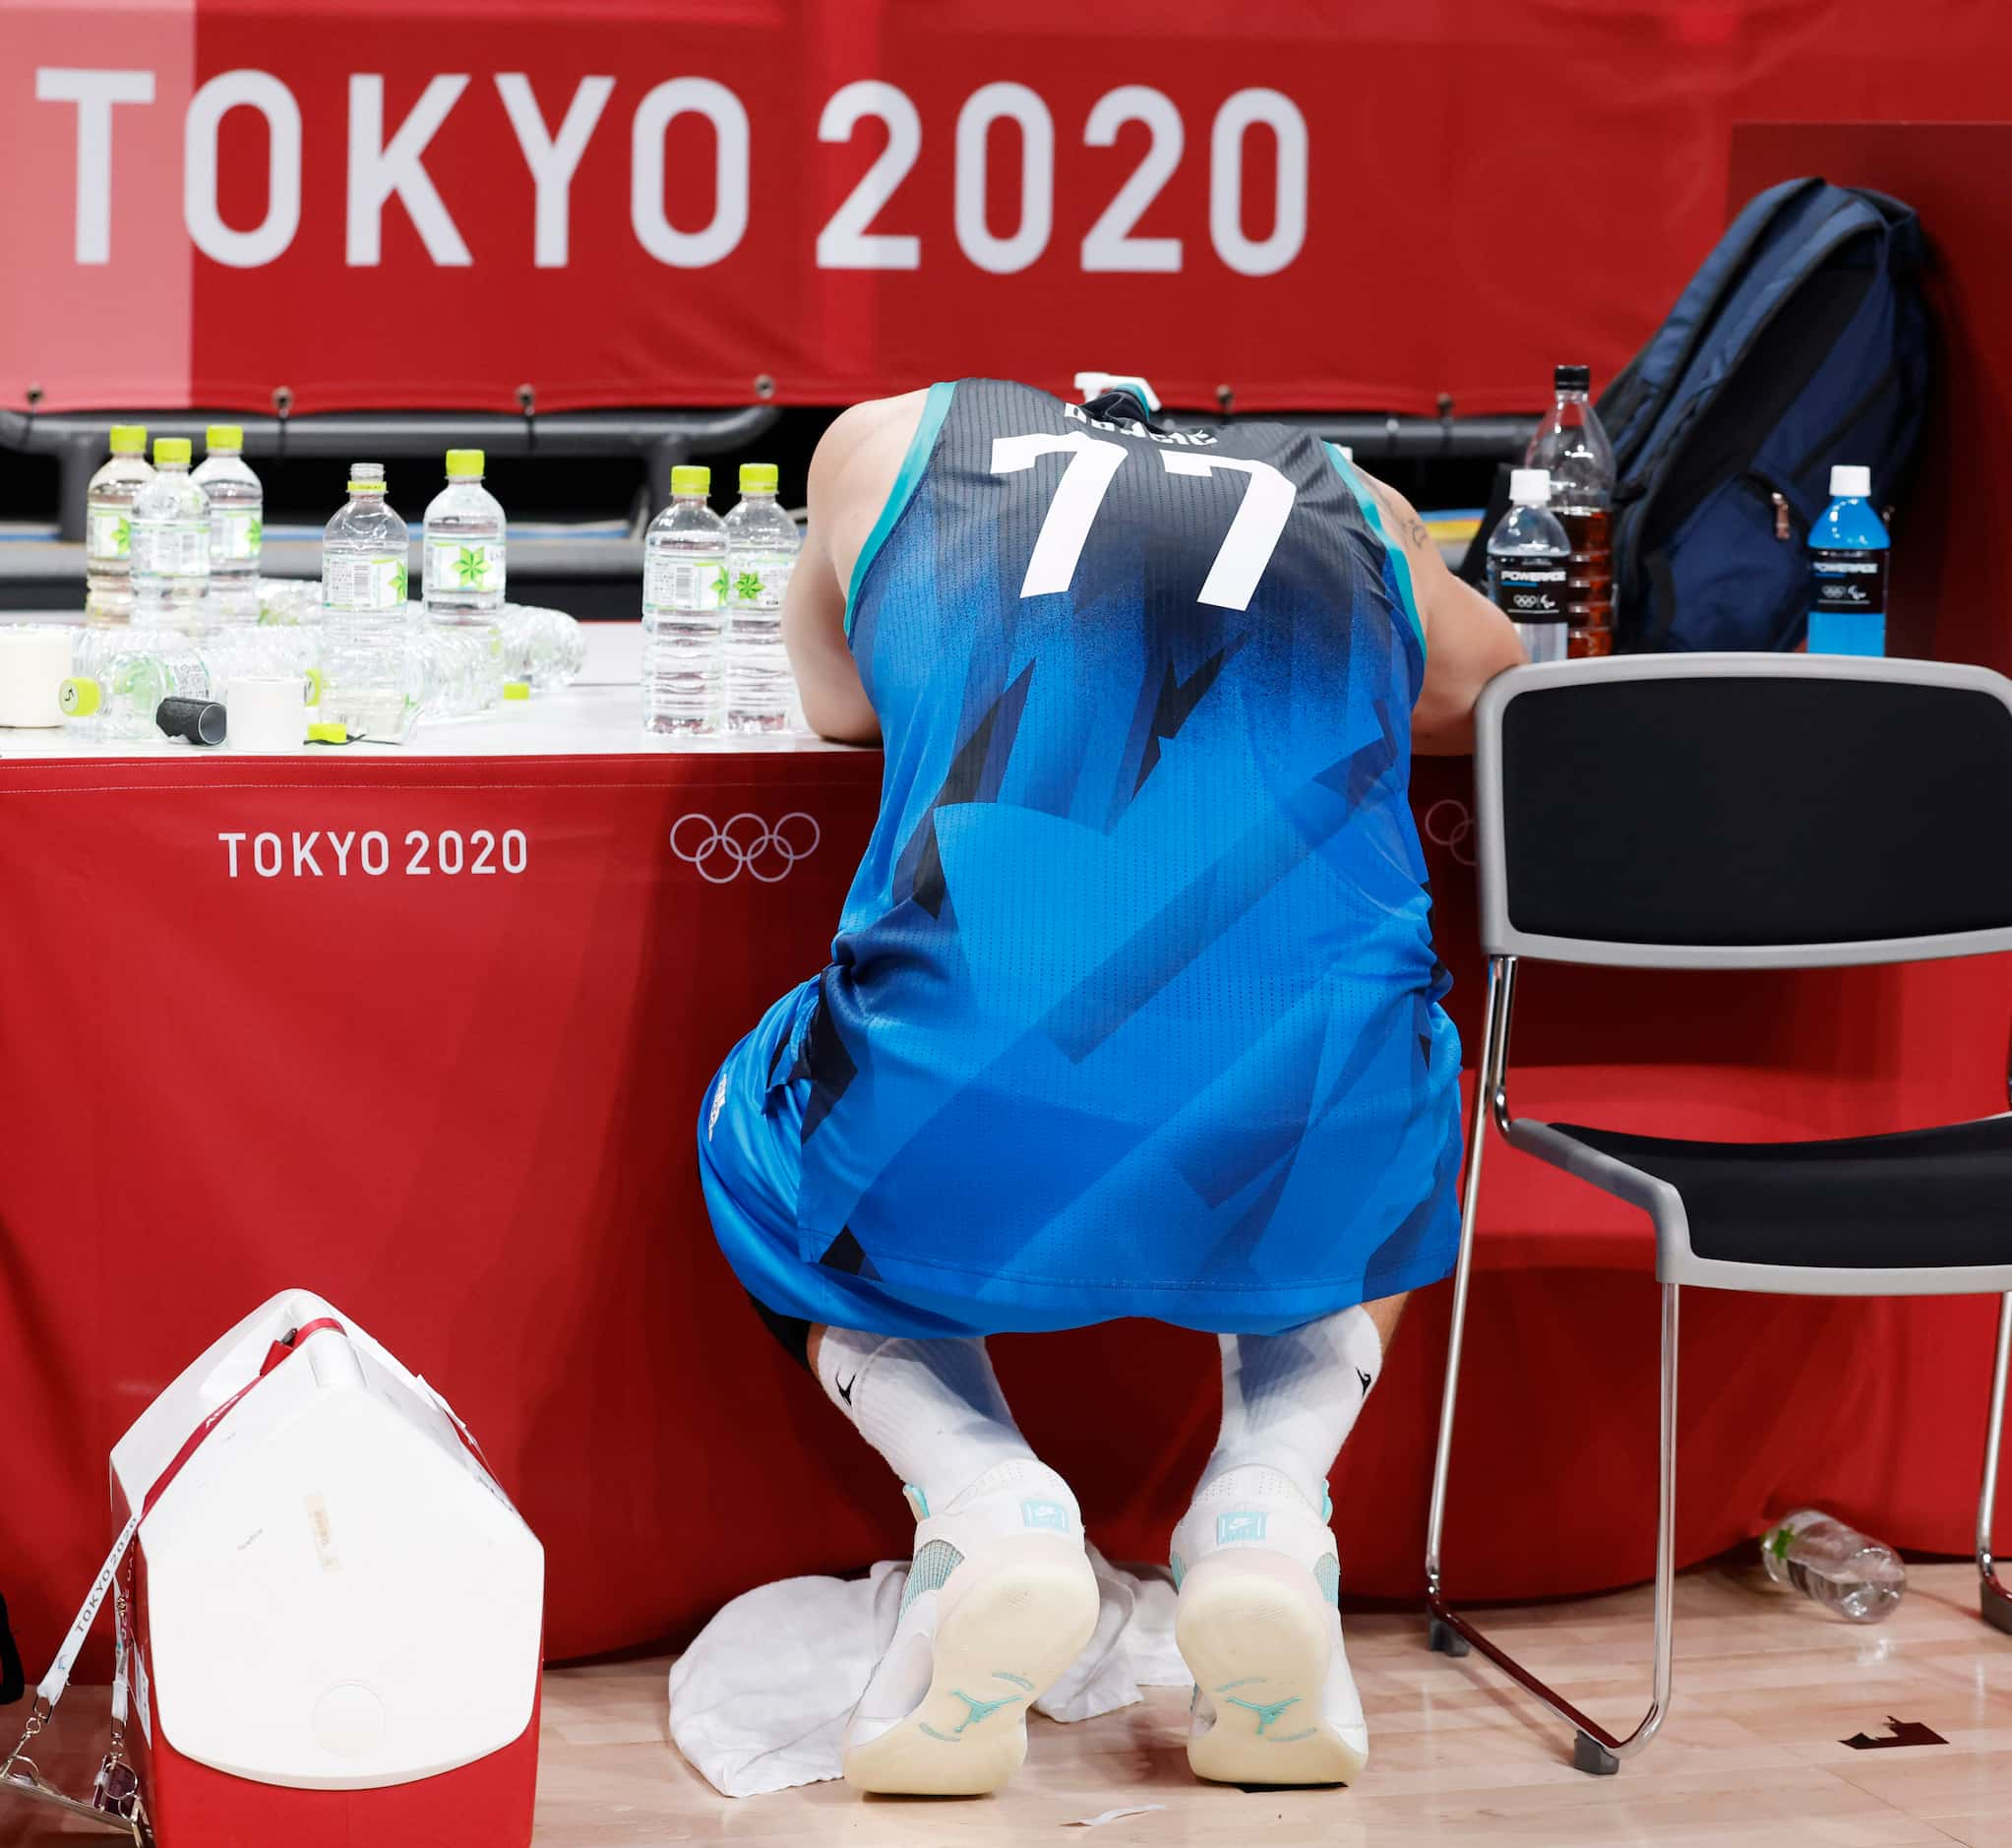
column 1255, row 1633
column 1021, row 1613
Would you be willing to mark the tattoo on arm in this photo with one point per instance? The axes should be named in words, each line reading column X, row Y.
column 1414, row 529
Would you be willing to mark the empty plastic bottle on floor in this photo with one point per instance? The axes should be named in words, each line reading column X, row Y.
column 237, row 524
column 121, row 697
column 1529, row 561
column 1858, row 1578
column 108, row 525
column 465, row 544
column 170, row 541
column 684, row 586
column 1572, row 449
column 372, row 671
column 762, row 545
column 1847, row 548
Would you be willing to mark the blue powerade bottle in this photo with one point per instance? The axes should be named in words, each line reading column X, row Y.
column 1847, row 549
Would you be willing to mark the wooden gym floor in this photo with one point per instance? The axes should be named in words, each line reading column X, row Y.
column 1767, row 1689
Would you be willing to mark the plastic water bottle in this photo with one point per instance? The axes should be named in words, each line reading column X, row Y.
column 1858, row 1578
column 1848, row 550
column 762, row 545
column 120, row 698
column 170, row 541
column 1529, row 560
column 1572, row 449
column 237, row 524
column 684, row 593
column 108, row 525
column 372, row 672
column 465, row 546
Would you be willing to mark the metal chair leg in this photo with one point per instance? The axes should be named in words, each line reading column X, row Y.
column 1994, row 1599
column 1488, row 1085
column 1595, row 1749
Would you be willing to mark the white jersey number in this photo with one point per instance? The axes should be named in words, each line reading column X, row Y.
column 1241, row 559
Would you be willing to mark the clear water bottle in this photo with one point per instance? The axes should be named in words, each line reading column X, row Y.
column 762, row 545
column 1858, row 1578
column 465, row 546
column 1847, row 548
column 1572, row 449
column 108, row 525
column 237, row 524
column 120, row 695
column 684, row 593
column 462, row 666
column 372, row 672
column 543, row 649
column 1529, row 559
column 170, row 541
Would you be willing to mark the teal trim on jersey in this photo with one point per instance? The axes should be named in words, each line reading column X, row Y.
column 936, row 407
column 1399, row 567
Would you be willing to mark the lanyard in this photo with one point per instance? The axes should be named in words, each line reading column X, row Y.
column 57, row 1680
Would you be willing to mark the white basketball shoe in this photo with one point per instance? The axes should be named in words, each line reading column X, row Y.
column 1000, row 1599
column 1259, row 1625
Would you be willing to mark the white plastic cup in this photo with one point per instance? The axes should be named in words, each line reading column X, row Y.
column 34, row 661
column 268, row 713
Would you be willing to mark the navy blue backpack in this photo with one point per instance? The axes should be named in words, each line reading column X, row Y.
column 1803, row 341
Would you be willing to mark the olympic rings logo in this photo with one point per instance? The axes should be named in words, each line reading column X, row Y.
column 745, row 844
column 1455, row 834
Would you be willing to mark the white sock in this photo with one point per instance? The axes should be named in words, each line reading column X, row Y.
column 1291, row 1399
column 932, row 1408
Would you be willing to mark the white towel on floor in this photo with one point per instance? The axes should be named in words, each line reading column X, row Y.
column 759, row 1700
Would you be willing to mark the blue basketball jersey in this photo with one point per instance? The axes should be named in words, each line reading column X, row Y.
column 1133, row 1006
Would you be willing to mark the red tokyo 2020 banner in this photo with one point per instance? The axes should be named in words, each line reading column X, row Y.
column 428, row 204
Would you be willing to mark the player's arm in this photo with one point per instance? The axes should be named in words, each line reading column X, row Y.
column 813, row 606
column 1468, row 641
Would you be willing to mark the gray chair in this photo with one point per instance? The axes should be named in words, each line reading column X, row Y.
column 1743, row 812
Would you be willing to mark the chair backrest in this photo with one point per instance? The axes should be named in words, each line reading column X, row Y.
column 1744, row 811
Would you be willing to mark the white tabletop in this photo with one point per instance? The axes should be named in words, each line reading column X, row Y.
column 599, row 716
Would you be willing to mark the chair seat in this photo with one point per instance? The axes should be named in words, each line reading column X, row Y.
column 1922, row 1198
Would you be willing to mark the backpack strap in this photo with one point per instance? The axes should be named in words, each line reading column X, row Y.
column 1629, row 406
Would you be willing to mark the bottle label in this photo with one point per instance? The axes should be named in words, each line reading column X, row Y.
column 363, row 584
column 457, row 564
column 684, row 583
column 759, row 584
column 236, row 533
column 108, row 535
column 171, row 548
column 1841, row 579
column 1527, row 589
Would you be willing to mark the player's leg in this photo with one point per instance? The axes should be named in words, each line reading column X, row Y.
column 1258, row 1621
column 1000, row 1597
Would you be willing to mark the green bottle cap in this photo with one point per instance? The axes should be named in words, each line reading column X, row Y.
column 688, row 480
column 464, row 465
column 224, row 436
column 328, row 734
column 171, row 449
column 79, row 699
column 758, row 477
column 129, row 439
column 516, row 689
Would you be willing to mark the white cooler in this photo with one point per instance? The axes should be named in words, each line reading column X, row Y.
column 337, row 1615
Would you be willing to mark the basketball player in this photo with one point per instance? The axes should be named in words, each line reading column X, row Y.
column 1133, row 1010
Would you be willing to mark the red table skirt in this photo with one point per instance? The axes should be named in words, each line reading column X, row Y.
column 462, row 1108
